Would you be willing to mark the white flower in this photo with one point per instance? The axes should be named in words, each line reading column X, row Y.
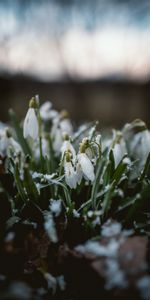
column 137, row 138
column 70, row 175
column 30, row 127
column 79, row 173
column 59, row 128
column 4, row 143
column 140, row 146
column 66, row 126
column 57, row 141
column 86, row 166
column 119, row 151
column 67, row 146
column 45, row 148
column 46, row 112
column 14, row 146
column 7, row 143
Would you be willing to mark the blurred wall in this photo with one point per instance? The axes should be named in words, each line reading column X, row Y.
column 111, row 102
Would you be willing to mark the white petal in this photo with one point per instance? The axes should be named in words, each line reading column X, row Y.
column 66, row 126
column 119, row 151
column 79, row 173
column 58, row 140
column 4, row 142
column 140, row 146
column 46, row 111
column 16, row 147
column 30, row 127
column 70, row 175
column 68, row 146
column 86, row 166
column 117, row 154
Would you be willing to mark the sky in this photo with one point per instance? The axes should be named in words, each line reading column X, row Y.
column 77, row 40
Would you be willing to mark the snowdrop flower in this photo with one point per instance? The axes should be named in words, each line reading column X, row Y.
column 65, row 123
column 138, row 141
column 57, row 138
column 61, row 126
column 7, row 143
column 85, row 164
column 4, row 142
column 70, row 174
column 67, row 146
column 45, row 148
column 30, row 127
column 46, row 111
column 14, row 146
column 119, row 148
column 88, row 149
column 140, row 146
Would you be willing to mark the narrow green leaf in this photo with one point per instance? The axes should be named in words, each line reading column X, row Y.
column 107, row 199
column 146, row 168
column 96, row 184
column 19, row 133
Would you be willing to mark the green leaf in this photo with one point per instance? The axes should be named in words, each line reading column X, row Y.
column 107, row 199
column 30, row 185
column 146, row 168
column 96, row 184
column 19, row 133
column 120, row 171
column 19, row 183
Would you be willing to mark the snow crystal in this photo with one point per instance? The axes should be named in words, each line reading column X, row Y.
column 51, row 282
column 96, row 221
column 143, row 285
column 109, row 230
column 115, row 277
column 9, row 237
column 127, row 161
column 56, row 207
column 42, row 176
column 61, row 282
column 50, row 227
column 109, row 250
column 90, row 213
column 76, row 213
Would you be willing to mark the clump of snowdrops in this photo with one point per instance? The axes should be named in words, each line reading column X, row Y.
column 80, row 172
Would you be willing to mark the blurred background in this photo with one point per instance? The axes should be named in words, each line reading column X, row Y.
column 91, row 57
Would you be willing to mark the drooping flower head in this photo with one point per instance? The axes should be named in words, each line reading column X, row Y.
column 84, row 163
column 47, row 113
column 61, row 125
column 30, row 127
column 119, row 147
column 137, row 137
column 7, row 143
column 69, row 170
column 67, row 146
